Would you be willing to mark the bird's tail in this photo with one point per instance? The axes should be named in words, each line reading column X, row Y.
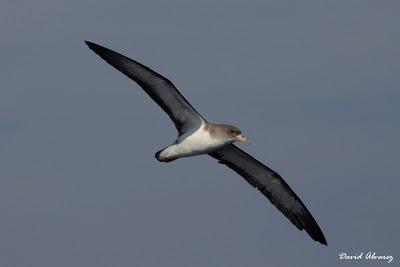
column 163, row 159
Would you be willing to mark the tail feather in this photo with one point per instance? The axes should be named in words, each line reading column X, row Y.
column 163, row 159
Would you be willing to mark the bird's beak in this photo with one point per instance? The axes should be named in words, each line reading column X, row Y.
column 241, row 138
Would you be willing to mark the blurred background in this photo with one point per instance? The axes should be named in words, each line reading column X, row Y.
column 313, row 84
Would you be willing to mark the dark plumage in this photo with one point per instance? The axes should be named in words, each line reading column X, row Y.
column 272, row 186
column 160, row 89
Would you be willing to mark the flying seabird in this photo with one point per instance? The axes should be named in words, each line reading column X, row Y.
column 197, row 136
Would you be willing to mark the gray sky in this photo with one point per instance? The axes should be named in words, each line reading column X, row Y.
column 315, row 85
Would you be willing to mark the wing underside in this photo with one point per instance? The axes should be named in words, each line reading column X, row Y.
column 271, row 185
column 160, row 89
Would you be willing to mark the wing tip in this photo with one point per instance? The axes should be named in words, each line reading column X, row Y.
column 307, row 224
column 316, row 234
column 321, row 239
column 102, row 51
column 91, row 45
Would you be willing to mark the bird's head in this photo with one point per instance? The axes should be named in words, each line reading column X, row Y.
column 234, row 134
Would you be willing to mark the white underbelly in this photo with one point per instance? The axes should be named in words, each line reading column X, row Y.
column 200, row 142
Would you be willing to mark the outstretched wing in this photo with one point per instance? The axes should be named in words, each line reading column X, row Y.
column 272, row 186
column 160, row 89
